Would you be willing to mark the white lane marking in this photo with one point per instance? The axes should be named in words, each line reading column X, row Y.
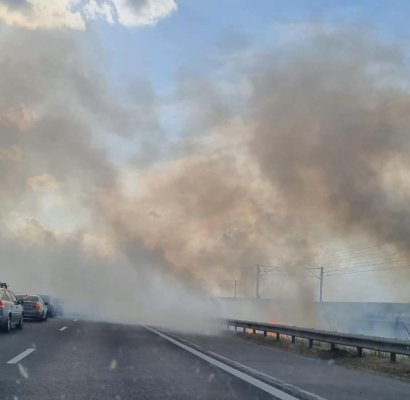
column 310, row 394
column 239, row 374
column 18, row 358
column 75, row 319
column 63, row 328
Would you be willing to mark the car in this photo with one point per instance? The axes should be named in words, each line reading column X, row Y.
column 11, row 309
column 52, row 309
column 34, row 307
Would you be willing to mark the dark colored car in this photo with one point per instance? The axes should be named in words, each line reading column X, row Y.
column 51, row 305
column 34, row 307
column 11, row 310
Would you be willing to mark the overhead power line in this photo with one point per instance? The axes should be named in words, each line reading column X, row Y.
column 373, row 264
column 367, row 270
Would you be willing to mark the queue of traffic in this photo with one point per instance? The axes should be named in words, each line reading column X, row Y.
column 15, row 308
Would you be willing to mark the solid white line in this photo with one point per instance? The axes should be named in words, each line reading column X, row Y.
column 75, row 319
column 18, row 358
column 239, row 374
column 63, row 328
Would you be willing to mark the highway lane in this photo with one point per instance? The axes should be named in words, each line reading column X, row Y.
column 316, row 376
column 68, row 359
column 94, row 360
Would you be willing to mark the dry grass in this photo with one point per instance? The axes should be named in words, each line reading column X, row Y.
column 372, row 361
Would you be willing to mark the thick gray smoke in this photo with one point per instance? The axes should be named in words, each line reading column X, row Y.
column 295, row 148
column 315, row 153
column 331, row 134
column 56, row 112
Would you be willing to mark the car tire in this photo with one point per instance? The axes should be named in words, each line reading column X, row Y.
column 46, row 317
column 7, row 325
column 21, row 323
column 41, row 319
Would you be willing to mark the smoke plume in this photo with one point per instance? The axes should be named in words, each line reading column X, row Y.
column 315, row 153
column 287, row 149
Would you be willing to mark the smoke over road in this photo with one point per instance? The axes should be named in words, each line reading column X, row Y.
column 287, row 149
column 315, row 153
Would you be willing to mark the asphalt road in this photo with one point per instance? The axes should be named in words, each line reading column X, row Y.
column 93, row 360
column 90, row 360
column 317, row 376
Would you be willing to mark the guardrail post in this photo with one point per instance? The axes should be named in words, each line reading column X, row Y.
column 293, row 339
column 244, row 330
column 265, row 333
column 278, row 336
column 310, row 343
column 360, row 351
column 254, row 331
column 332, row 346
column 392, row 357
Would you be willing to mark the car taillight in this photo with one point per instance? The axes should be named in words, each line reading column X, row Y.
column 36, row 306
column 1, row 304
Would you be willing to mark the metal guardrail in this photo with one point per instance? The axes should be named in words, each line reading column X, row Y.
column 392, row 346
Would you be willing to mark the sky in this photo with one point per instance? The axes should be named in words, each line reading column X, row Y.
column 194, row 38
column 191, row 37
column 188, row 141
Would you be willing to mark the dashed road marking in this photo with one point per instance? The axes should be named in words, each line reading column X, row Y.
column 75, row 319
column 18, row 358
column 63, row 328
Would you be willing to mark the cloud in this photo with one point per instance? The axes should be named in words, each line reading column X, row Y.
column 44, row 181
column 34, row 14
column 143, row 12
column 74, row 14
